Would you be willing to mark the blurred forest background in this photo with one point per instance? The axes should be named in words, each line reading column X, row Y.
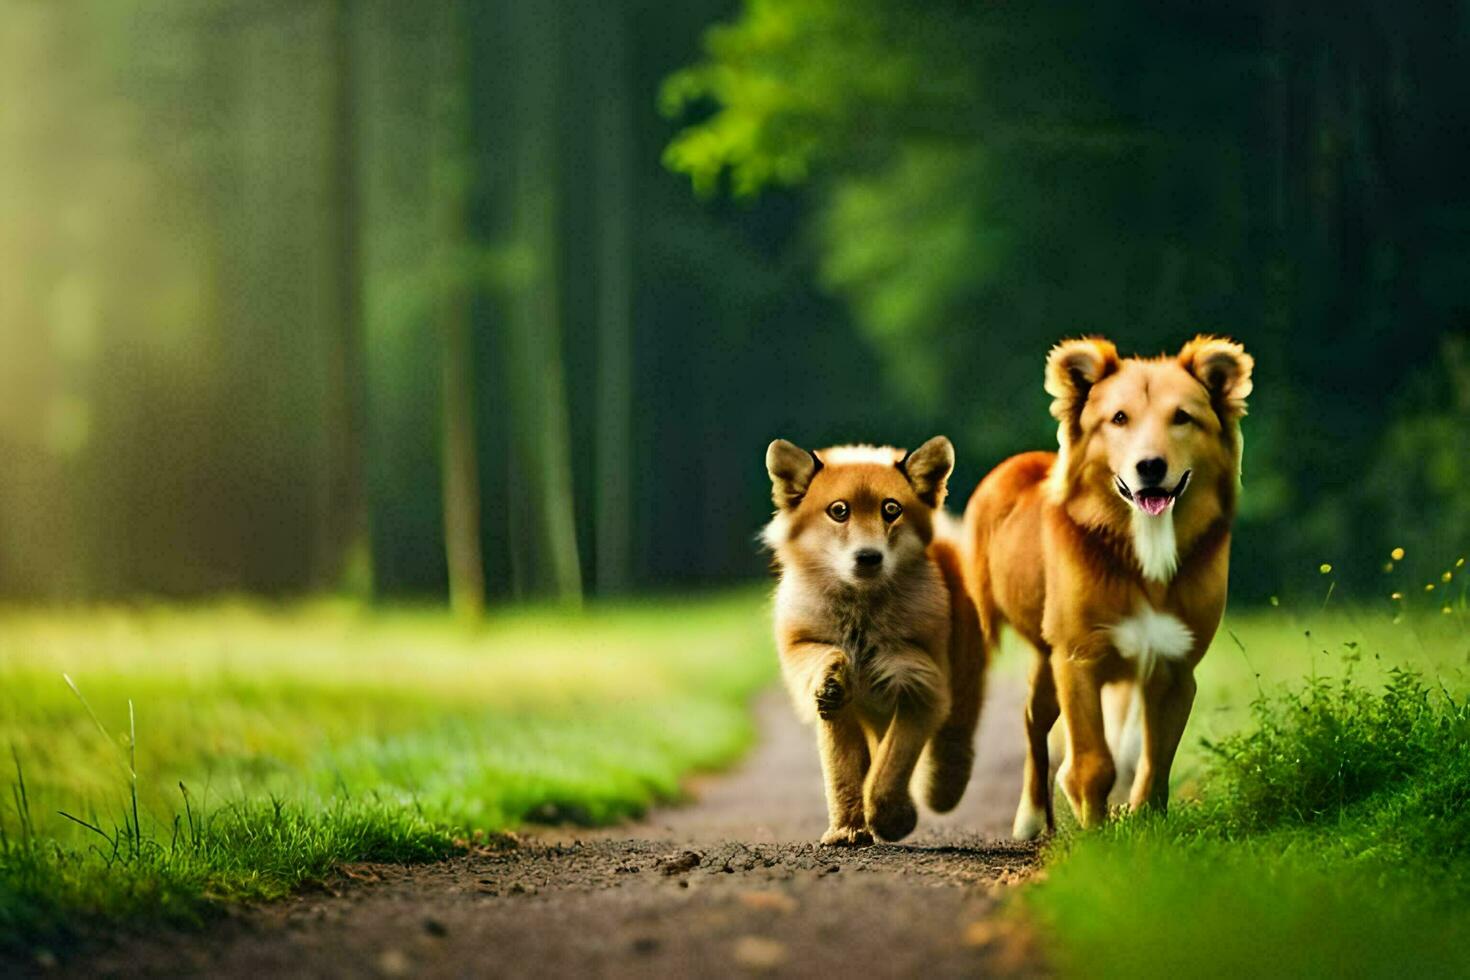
column 386, row 297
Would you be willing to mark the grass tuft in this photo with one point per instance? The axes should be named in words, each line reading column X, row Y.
column 243, row 852
column 1315, row 753
column 1329, row 835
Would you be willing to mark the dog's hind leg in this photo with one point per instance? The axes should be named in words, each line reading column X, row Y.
column 1167, row 699
column 1034, row 813
column 950, row 755
column 1123, row 725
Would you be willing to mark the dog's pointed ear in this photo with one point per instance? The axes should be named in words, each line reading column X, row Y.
column 1224, row 368
column 1072, row 368
column 791, row 469
column 928, row 469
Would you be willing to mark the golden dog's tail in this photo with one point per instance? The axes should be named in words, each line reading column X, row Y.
column 951, row 752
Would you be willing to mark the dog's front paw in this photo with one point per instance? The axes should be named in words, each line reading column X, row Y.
column 847, row 837
column 832, row 693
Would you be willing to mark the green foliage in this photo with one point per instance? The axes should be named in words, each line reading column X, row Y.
column 274, row 744
column 1426, row 457
column 988, row 178
column 790, row 82
column 912, row 298
column 1317, row 753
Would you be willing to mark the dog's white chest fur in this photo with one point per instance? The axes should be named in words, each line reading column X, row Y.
column 1148, row 636
column 1155, row 546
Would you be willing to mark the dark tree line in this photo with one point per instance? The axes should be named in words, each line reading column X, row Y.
column 394, row 299
column 990, row 177
column 402, row 299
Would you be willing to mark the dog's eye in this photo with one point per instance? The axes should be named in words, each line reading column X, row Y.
column 1120, row 419
column 1181, row 417
column 891, row 509
column 838, row 510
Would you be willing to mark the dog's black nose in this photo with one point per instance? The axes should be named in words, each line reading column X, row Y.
column 869, row 558
column 1151, row 471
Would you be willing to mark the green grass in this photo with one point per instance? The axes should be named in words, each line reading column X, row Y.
column 1322, row 795
column 273, row 744
column 1322, row 816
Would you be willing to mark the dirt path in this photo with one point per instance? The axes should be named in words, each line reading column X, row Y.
column 728, row 885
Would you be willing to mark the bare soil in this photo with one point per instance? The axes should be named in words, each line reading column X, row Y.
column 731, row 884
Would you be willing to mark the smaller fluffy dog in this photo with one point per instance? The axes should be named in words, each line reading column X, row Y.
column 878, row 639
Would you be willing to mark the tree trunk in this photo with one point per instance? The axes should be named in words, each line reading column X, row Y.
column 460, row 465
column 540, row 429
column 614, row 164
column 345, row 561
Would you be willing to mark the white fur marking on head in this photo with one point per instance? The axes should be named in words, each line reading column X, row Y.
column 1154, row 544
column 851, row 455
column 1149, row 636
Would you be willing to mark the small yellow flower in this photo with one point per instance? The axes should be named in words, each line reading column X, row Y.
column 1397, row 554
column 1446, row 610
column 1388, row 566
column 1446, row 576
column 1428, row 586
column 1460, row 563
column 1396, row 596
column 1325, row 569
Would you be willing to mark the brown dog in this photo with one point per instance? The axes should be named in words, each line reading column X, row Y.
column 879, row 643
column 1110, row 557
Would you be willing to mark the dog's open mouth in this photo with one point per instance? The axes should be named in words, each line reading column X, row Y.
column 1153, row 500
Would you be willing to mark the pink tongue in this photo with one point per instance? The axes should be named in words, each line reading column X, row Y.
column 1153, row 504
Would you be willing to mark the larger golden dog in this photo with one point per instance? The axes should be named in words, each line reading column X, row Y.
column 1110, row 557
